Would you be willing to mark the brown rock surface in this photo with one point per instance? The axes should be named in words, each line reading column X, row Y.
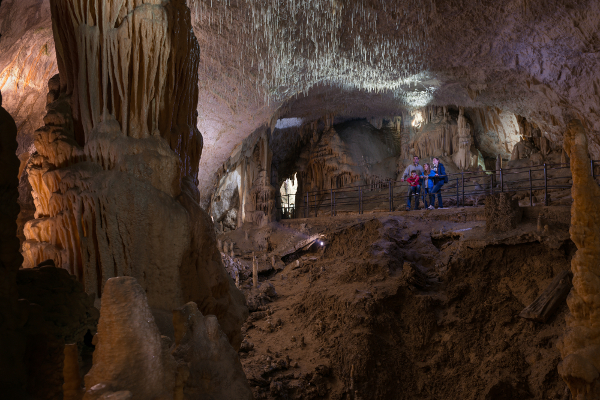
column 130, row 353
column 208, row 367
column 580, row 346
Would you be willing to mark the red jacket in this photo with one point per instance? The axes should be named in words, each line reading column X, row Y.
column 413, row 181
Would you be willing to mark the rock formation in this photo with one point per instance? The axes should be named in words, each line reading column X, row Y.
column 463, row 141
column 60, row 300
column 130, row 353
column 244, row 192
column 115, row 173
column 133, row 360
column 580, row 347
column 13, row 378
column 208, row 367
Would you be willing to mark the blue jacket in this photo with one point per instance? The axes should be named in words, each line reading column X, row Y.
column 430, row 179
column 441, row 171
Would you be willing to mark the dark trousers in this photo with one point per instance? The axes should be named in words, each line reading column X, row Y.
column 437, row 189
column 426, row 195
column 413, row 190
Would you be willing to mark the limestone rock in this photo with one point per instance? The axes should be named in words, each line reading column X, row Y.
column 130, row 354
column 580, row 346
column 115, row 174
column 69, row 311
column 13, row 314
column 72, row 387
column 208, row 367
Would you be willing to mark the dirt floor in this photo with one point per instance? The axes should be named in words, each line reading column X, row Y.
column 404, row 305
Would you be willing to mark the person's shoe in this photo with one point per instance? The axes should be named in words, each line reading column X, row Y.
column 442, row 208
column 431, row 208
column 407, row 208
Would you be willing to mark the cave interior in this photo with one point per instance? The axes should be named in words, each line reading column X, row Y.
column 209, row 199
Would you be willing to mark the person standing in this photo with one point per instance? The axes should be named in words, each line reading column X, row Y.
column 407, row 173
column 439, row 178
column 427, row 186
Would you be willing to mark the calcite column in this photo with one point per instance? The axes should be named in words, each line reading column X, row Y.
column 580, row 346
column 462, row 155
column 116, row 171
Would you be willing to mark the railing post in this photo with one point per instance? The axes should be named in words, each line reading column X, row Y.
column 334, row 209
column 463, row 188
column 501, row 181
column 492, row 186
column 316, row 205
column 457, row 203
column 306, row 208
column 545, row 185
column 530, row 189
column 360, row 205
column 592, row 167
column 331, row 200
column 391, row 197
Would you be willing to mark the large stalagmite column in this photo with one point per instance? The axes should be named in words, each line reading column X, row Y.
column 580, row 347
column 116, row 171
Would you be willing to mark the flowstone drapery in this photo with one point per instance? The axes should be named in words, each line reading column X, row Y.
column 580, row 347
column 115, row 175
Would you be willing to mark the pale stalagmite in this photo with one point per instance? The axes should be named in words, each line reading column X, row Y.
column 130, row 353
column 580, row 347
column 115, row 174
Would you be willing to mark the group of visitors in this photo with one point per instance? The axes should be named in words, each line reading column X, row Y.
column 429, row 178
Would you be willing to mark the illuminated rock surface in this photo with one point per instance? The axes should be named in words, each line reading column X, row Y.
column 114, row 176
column 580, row 347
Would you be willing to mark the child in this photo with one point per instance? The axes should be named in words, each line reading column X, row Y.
column 427, row 184
column 415, row 187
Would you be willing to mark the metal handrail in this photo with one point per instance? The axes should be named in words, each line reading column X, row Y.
column 459, row 183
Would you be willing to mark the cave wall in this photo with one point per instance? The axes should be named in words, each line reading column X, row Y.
column 535, row 59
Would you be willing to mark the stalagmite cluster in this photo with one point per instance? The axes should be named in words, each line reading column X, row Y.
column 114, row 178
column 245, row 192
column 580, row 347
column 133, row 360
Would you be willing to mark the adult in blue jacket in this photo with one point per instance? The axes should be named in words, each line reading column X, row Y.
column 439, row 179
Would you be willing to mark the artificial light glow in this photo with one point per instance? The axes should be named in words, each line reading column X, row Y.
column 284, row 123
column 417, row 119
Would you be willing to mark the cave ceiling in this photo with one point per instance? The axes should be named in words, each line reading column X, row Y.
column 267, row 59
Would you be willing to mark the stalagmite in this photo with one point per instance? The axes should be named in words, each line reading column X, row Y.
column 115, row 177
column 462, row 157
column 130, row 353
column 580, row 346
column 72, row 386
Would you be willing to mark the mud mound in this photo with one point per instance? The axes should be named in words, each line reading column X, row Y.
column 348, row 325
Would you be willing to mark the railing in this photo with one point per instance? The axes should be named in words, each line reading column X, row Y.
column 462, row 189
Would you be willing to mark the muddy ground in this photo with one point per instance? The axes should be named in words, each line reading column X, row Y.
column 344, row 321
